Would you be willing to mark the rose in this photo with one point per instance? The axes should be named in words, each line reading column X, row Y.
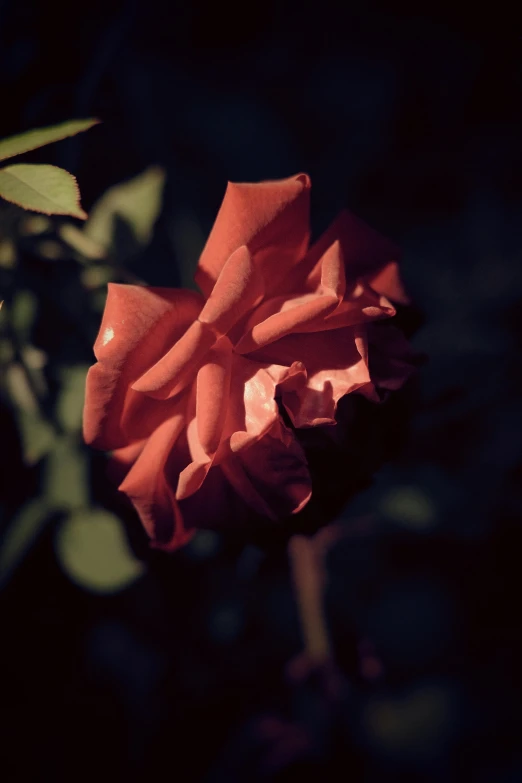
column 186, row 388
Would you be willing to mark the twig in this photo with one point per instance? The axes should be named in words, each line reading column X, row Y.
column 308, row 578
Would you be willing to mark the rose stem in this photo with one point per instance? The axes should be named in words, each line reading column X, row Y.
column 307, row 574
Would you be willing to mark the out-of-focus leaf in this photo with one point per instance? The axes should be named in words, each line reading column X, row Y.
column 94, row 553
column 33, row 225
column 7, row 253
column 42, row 188
column 80, row 241
column 135, row 203
column 37, row 436
column 21, row 535
column 31, row 140
column 204, row 545
column 69, row 407
column 6, row 349
column 25, row 382
column 96, row 276
column 34, row 357
column 20, row 390
column 66, row 475
column 415, row 725
column 23, row 313
column 409, row 506
column 50, row 249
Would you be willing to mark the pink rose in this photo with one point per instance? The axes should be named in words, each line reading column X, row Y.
column 186, row 388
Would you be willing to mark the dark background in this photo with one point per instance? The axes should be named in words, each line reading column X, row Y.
column 411, row 117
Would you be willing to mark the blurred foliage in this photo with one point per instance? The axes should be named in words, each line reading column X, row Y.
column 91, row 542
column 131, row 208
column 93, row 551
column 147, row 662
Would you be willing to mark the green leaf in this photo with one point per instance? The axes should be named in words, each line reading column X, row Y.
column 37, row 436
column 409, row 506
column 81, row 243
column 131, row 208
column 69, row 407
column 413, row 724
column 6, row 349
column 8, row 253
column 93, row 551
column 20, row 389
column 21, row 535
column 23, row 313
column 42, row 188
column 66, row 475
column 31, row 140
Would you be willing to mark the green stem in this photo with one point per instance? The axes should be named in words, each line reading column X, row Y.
column 308, row 579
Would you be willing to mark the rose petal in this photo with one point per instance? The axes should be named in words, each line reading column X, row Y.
column 138, row 326
column 271, row 474
column 149, row 489
column 252, row 408
column 313, row 312
column 238, row 287
column 205, row 417
column 271, row 218
column 289, row 378
column 333, row 277
column 293, row 315
column 387, row 281
column 251, row 413
column 179, row 365
column 392, row 359
column 365, row 253
column 360, row 306
column 216, row 505
column 191, row 478
column 213, row 386
column 193, row 463
column 336, row 364
column 123, row 459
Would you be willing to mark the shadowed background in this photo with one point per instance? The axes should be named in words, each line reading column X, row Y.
column 411, row 119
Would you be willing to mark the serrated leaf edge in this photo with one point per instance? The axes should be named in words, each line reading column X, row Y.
column 93, row 120
column 80, row 214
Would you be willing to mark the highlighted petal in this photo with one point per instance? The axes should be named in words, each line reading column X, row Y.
column 343, row 354
column 333, row 278
column 205, row 417
column 139, row 324
column 179, row 365
column 271, row 218
column 150, row 491
column 191, row 478
column 238, row 288
column 315, row 311
column 213, row 387
column 295, row 315
column 252, row 409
